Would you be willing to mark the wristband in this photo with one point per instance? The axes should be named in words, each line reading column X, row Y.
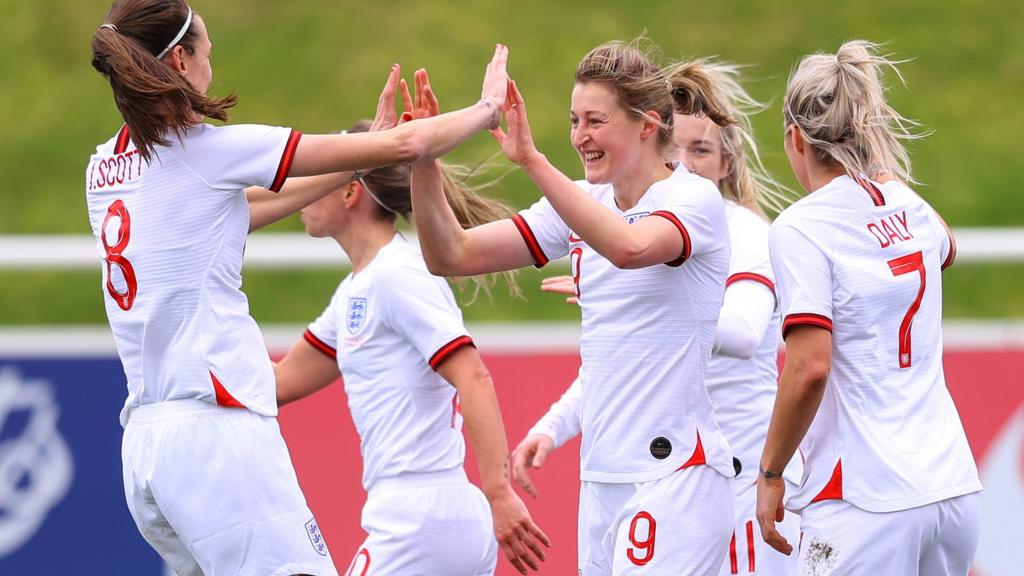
column 769, row 475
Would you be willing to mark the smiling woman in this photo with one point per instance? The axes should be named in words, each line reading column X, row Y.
column 650, row 252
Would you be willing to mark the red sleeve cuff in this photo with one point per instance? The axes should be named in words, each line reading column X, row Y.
column 320, row 345
column 682, row 230
column 806, row 319
column 540, row 260
column 285, row 166
column 448, row 349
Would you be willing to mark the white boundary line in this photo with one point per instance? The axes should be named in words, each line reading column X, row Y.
column 296, row 250
column 502, row 338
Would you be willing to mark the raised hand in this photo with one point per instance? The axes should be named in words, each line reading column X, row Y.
column 517, row 143
column 387, row 116
column 532, row 452
column 560, row 285
column 424, row 103
column 495, row 88
column 517, row 535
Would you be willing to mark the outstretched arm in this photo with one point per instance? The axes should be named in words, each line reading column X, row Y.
column 448, row 249
column 646, row 243
column 518, row 536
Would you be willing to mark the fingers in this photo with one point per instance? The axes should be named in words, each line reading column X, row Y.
column 406, row 97
column 774, row 539
column 541, row 455
column 385, row 117
column 522, row 547
column 517, row 96
column 559, row 285
column 430, row 101
column 520, row 462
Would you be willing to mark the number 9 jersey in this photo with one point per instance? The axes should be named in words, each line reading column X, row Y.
column 864, row 260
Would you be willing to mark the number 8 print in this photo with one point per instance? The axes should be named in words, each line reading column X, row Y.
column 647, row 544
column 118, row 210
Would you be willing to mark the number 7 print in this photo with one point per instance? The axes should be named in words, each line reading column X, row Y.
column 905, row 265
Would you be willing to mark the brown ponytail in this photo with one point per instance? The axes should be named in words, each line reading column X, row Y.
column 153, row 99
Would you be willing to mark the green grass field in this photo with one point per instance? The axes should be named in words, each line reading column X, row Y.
column 318, row 66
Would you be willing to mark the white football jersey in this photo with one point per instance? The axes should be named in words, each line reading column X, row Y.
column 864, row 261
column 389, row 327
column 647, row 333
column 743, row 389
column 171, row 233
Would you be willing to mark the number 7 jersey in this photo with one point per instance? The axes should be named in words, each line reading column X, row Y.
column 864, row 261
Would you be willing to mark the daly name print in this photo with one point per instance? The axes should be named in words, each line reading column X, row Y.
column 356, row 315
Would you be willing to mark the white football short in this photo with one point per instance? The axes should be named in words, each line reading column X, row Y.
column 748, row 552
column 937, row 539
column 213, row 490
column 680, row 525
column 426, row 525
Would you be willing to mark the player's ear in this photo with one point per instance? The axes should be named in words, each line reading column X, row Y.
column 353, row 192
column 176, row 59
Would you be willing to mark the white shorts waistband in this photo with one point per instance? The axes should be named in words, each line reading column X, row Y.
column 418, row 479
column 170, row 409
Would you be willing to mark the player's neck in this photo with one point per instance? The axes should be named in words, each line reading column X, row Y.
column 362, row 243
column 632, row 187
column 820, row 174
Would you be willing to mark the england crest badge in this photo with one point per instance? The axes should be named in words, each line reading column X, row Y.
column 356, row 315
column 315, row 538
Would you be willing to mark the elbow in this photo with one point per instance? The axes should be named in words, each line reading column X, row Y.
column 627, row 257
column 812, row 375
column 746, row 346
column 439, row 266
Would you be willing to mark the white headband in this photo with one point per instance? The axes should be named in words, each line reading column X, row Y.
column 181, row 34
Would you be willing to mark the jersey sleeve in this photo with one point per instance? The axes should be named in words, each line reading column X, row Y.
column 947, row 246
column 749, row 260
column 561, row 423
column 422, row 308
column 544, row 231
column 239, row 156
column 697, row 211
column 803, row 278
column 322, row 333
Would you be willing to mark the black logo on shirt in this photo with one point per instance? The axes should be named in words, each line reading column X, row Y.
column 661, row 447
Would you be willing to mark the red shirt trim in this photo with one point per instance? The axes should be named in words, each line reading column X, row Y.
column 320, row 345
column 697, row 458
column 682, row 230
column 123, row 139
column 805, row 319
column 952, row 246
column 224, row 398
column 448, row 349
column 740, row 276
column 834, row 489
column 872, row 190
column 285, row 166
column 540, row 260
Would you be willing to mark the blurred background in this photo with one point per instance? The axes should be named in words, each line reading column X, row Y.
column 318, row 66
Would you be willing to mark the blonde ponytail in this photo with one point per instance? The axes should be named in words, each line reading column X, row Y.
column 838, row 103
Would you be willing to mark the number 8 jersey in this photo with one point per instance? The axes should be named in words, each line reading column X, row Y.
column 864, row 260
column 171, row 233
